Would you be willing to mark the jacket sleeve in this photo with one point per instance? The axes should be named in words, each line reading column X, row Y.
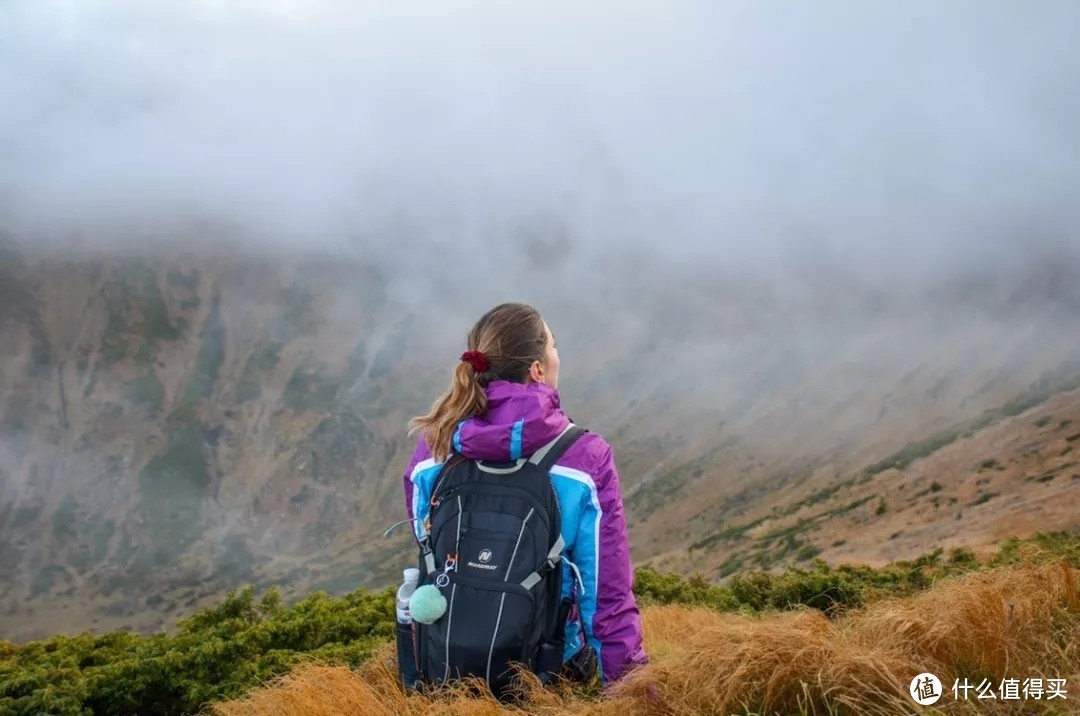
column 420, row 454
column 609, row 610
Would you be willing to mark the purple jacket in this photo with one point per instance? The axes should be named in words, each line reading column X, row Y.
column 519, row 419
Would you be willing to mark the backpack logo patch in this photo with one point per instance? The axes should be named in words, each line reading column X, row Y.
column 483, row 561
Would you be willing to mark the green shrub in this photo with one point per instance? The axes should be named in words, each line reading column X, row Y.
column 1050, row 383
column 984, row 497
column 241, row 642
column 963, row 557
column 1048, row 546
column 218, row 653
column 732, row 565
column 916, row 450
column 652, row 587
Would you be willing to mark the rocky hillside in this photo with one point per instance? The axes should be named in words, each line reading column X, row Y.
column 172, row 429
column 173, row 426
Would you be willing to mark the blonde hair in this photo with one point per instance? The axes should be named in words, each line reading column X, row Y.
column 512, row 336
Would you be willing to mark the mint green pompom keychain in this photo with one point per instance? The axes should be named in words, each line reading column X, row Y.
column 427, row 604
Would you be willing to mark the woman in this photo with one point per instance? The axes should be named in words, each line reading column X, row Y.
column 503, row 404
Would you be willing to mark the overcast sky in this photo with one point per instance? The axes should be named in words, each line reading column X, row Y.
column 726, row 130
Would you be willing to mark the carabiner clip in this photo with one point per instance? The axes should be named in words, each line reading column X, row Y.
column 450, row 565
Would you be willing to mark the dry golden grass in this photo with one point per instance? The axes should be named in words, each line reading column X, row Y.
column 1017, row 623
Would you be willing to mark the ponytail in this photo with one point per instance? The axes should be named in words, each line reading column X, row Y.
column 464, row 399
column 502, row 345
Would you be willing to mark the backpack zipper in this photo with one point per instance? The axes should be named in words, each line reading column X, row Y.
column 525, row 495
column 449, row 467
column 437, row 500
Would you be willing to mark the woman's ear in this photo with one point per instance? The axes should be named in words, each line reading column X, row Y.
column 536, row 372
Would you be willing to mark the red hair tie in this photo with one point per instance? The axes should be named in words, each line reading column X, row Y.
column 477, row 360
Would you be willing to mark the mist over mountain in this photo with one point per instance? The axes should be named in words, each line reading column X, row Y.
column 241, row 243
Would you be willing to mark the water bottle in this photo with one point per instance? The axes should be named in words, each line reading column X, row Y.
column 406, row 634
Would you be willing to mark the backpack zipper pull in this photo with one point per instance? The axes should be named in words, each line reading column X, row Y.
column 438, row 498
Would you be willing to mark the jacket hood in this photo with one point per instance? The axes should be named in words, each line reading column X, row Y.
column 519, row 419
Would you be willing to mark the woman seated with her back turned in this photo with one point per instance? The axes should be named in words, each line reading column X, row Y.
column 502, row 405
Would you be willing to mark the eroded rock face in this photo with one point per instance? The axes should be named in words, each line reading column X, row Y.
column 173, row 427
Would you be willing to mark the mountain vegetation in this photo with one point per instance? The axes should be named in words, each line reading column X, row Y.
column 834, row 639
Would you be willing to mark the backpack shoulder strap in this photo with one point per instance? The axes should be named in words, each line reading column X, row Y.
column 544, row 459
column 546, row 456
column 452, row 461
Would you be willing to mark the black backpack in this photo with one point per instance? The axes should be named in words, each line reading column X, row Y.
column 494, row 549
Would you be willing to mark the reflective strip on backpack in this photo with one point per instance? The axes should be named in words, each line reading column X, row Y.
column 457, row 537
column 541, row 453
column 502, row 600
column 500, row 470
column 491, row 651
column 449, row 623
column 553, row 557
column 517, row 544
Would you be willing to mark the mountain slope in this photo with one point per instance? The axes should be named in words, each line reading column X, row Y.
column 971, row 486
column 172, row 426
column 173, row 429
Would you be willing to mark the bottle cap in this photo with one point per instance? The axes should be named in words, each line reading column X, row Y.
column 412, row 574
